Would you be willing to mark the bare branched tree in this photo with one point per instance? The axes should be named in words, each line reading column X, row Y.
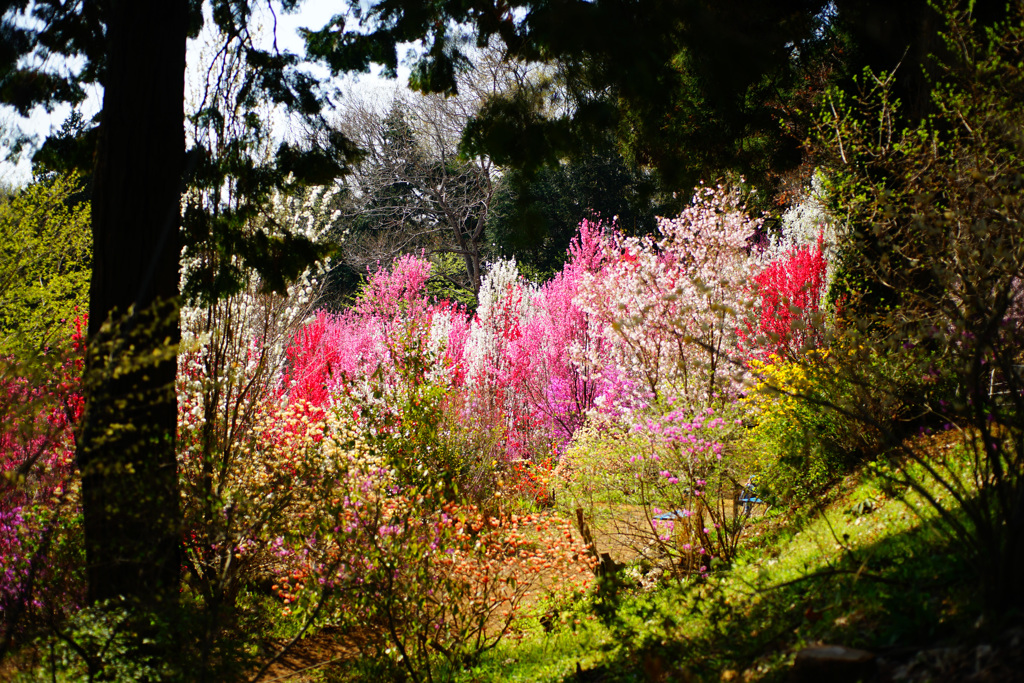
column 414, row 191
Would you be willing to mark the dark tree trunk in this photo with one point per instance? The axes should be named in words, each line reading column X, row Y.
column 126, row 444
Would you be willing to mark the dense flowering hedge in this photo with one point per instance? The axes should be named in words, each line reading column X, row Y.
column 627, row 323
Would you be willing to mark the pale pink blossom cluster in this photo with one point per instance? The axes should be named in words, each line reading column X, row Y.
column 670, row 307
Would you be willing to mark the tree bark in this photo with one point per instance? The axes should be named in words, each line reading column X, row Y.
column 126, row 442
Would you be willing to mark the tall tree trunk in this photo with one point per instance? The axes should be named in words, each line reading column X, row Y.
column 126, row 443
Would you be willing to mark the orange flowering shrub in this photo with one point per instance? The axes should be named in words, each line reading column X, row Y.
column 441, row 580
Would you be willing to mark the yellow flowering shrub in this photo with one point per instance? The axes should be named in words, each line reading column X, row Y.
column 800, row 442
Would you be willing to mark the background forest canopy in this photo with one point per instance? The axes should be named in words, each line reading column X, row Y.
column 592, row 125
column 352, row 357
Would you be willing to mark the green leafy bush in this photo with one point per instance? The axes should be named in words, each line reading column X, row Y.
column 800, row 442
column 936, row 213
column 45, row 263
column 660, row 489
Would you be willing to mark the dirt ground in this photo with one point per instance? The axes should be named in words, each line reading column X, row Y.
column 317, row 651
column 625, row 530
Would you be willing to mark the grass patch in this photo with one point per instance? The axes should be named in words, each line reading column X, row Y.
column 862, row 569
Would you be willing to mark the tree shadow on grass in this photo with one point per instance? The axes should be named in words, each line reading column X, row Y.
column 893, row 596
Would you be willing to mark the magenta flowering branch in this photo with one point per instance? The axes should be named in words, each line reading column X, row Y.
column 39, row 488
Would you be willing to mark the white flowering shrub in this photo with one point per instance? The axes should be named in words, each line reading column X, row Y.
column 803, row 224
column 239, row 451
column 495, row 400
